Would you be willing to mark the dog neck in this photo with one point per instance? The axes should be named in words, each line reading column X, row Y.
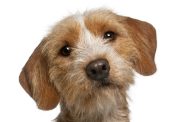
column 117, row 113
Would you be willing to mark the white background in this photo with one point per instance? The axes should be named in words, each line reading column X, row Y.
column 23, row 24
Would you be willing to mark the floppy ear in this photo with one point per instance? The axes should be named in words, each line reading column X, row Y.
column 144, row 36
column 34, row 79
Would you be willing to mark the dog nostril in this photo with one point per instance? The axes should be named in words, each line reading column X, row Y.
column 104, row 67
column 93, row 71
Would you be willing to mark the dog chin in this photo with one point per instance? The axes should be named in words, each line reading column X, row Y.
column 105, row 84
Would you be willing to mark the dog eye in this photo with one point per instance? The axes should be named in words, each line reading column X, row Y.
column 109, row 35
column 65, row 51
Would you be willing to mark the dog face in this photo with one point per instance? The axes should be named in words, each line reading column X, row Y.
column 86, row 62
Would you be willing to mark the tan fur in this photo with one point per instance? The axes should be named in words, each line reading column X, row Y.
column 49, row 77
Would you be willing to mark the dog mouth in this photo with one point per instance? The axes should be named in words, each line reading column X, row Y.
column 103, row 83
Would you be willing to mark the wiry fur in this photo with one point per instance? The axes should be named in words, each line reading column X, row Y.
column 83, row 99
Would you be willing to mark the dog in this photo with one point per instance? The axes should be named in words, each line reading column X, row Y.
column 86, row 64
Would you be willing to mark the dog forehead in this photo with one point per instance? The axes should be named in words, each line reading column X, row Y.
column 86, row 38
column 100, row 21
column 96, row 21
column 73, row 28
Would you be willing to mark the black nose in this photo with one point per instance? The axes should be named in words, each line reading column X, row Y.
column 98, row 69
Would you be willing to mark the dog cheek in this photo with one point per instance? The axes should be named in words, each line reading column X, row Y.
column 125, row 48
column 122, row 76
column 121, row 72
column 71, row 82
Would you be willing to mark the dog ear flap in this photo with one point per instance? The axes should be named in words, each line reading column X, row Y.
column 144, row 36
column 34, row 79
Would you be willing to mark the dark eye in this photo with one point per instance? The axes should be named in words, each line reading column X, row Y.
column 65, row 51
column 109, row 35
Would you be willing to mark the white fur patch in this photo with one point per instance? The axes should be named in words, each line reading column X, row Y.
column 89, row 46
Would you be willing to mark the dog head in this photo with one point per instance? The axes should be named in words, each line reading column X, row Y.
column 88, row 60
